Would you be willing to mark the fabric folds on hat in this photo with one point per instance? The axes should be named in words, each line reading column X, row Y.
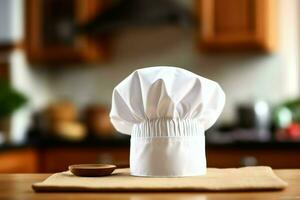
column 166, row 111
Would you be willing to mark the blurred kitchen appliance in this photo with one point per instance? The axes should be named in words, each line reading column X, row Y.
column 255, row 117
column 287, row 120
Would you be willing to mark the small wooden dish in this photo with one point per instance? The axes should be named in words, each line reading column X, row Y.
column 92, row 170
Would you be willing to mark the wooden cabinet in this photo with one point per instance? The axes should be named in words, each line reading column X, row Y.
column 58, row 159
column 50, row 160
column 51, row 35
column 19, row 161
column 236, row 157
column 237, row 25
column 4, row 70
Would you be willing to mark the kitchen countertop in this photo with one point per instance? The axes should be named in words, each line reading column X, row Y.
column 18, row 186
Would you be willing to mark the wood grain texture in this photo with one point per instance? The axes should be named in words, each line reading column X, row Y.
column 58, row 159
column 237, row 25
column 18, row 186
column 82, row 49
column 19, row 160
column 231, row 157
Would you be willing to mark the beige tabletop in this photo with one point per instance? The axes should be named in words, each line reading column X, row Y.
column 18, row 186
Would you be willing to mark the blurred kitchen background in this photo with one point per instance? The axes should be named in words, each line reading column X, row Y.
column 60, row 60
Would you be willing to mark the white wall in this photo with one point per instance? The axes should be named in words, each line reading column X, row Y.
column 244, row 77
column 11, row 29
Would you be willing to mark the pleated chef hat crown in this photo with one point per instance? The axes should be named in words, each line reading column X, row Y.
column 166, row 111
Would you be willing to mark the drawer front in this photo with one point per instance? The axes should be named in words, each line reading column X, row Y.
column 276, row 158
column 19, row 161
column 58, row 159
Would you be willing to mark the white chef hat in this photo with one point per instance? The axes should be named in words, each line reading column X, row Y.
column 166, row 111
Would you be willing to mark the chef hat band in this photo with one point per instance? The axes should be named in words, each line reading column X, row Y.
column 166, row 127
column 168, row 148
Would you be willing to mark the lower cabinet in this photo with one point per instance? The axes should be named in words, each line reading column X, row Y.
column 58, row 159
column 50, row 160
column 23, row 160
column 233, row 157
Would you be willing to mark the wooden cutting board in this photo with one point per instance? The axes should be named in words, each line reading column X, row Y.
column 230, row 179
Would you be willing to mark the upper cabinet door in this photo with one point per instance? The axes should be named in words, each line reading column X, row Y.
column 50, row 34
column 237, row 24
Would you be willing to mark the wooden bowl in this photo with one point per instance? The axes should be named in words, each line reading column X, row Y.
column 92, row 170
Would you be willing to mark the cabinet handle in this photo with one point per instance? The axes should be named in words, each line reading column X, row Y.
column 248, row 161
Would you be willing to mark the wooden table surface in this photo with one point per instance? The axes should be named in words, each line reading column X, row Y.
column 18, row 186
